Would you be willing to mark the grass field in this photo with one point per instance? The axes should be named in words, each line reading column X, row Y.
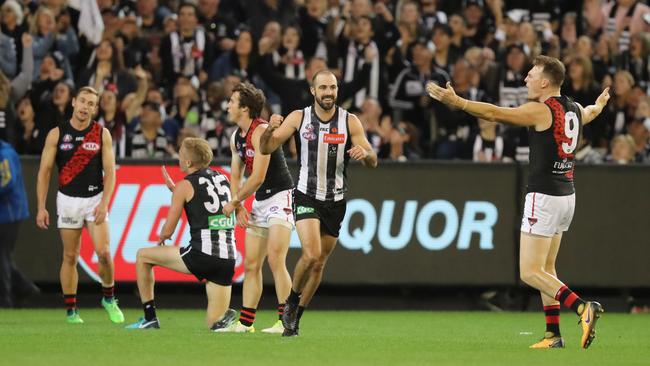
column 40, row 337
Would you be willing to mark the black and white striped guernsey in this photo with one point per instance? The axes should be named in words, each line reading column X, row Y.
column 322, row 155
column 211, row 231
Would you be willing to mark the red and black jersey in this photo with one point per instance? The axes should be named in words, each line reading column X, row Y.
column 277, row 177
column 79, row 158
column 552, row 151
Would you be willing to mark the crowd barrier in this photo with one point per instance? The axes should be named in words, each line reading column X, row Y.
column 425, row 223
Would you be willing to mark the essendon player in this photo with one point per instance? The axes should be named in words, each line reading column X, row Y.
column 327, row 137
column 271, row 222
column 83, row 153
column 554, row 127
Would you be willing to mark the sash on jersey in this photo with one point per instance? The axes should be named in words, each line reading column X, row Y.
column 90, row 146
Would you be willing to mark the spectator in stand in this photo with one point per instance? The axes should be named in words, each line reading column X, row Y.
column 619, row 111
column 135, row 47
column 623, row 150
column 148, row 139
column 187, row 52
column 289, row 58
column 53, row 37
column 220, row 27
column 27, row 133
column 8, row 59
column 13, row 24
column 186, row 110
column 241, row 60
column 261, row 12
column 386, row 140
column 636, row 60
column 488, row 144
column 445, row 53
column 54, row 111
column 352, row 60
column 105, row 67
column 409, row 100
column 113, row 118
column 216, row 126
column 431, row 15
column 312, row 22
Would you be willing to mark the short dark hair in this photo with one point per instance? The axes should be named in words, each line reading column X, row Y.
column 187, row 4
column 251, row 97
column 552, row 68
column 319, row 72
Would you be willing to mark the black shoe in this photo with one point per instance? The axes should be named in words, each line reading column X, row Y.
column 290, row 332
column 226, row 320
column 290, row 316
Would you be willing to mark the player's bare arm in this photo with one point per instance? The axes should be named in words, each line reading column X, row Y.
column 255, row 180
column 236, row 174
column 590, row 112
column 279, row 130
column 108, row 164
column 168, row 180
column 529, row 114
column 182, row 193
column 361, row 149
column 44, row 174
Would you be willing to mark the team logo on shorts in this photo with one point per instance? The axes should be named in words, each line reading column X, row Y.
column 69, row 221
column 304, row 210
column 67, row 137
column 221, row 222
column 273, row 209
column 66, row 146
column 90, row 146
column 532, row 221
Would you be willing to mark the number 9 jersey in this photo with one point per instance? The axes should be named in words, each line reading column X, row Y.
column 211, row 232
column 552, row 151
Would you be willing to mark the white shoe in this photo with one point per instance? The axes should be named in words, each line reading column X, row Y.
column 276, row 328
column 237, row 327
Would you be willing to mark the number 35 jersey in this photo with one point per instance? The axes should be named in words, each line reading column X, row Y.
column 211, row 231
column 552, row 151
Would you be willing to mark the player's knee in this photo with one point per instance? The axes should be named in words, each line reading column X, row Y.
column 252, row 266
column 529, row 276
column 276, row 261
column 311, row 256
column 70, row 258
column 319, row 266
column 104, row 256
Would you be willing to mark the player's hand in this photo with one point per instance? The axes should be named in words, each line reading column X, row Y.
column 230, row 207
column 445, row 95
column 43, row 219
column 242, row 217
column 358, row 153
column 168, row 180
column 274, row 122
column 100, row 213
column 601, row 102
column 161, row 240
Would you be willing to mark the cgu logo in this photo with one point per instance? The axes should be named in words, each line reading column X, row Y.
column 137, row 213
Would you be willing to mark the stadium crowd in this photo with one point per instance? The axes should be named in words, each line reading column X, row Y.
column 166, row 69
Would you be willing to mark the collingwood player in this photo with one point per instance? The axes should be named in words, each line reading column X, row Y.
column 83, row 152
column 326, row 136
column 271, row 221
column 554, row 127
column 210, row 254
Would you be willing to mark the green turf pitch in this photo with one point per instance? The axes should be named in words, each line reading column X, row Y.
column 41, row 337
